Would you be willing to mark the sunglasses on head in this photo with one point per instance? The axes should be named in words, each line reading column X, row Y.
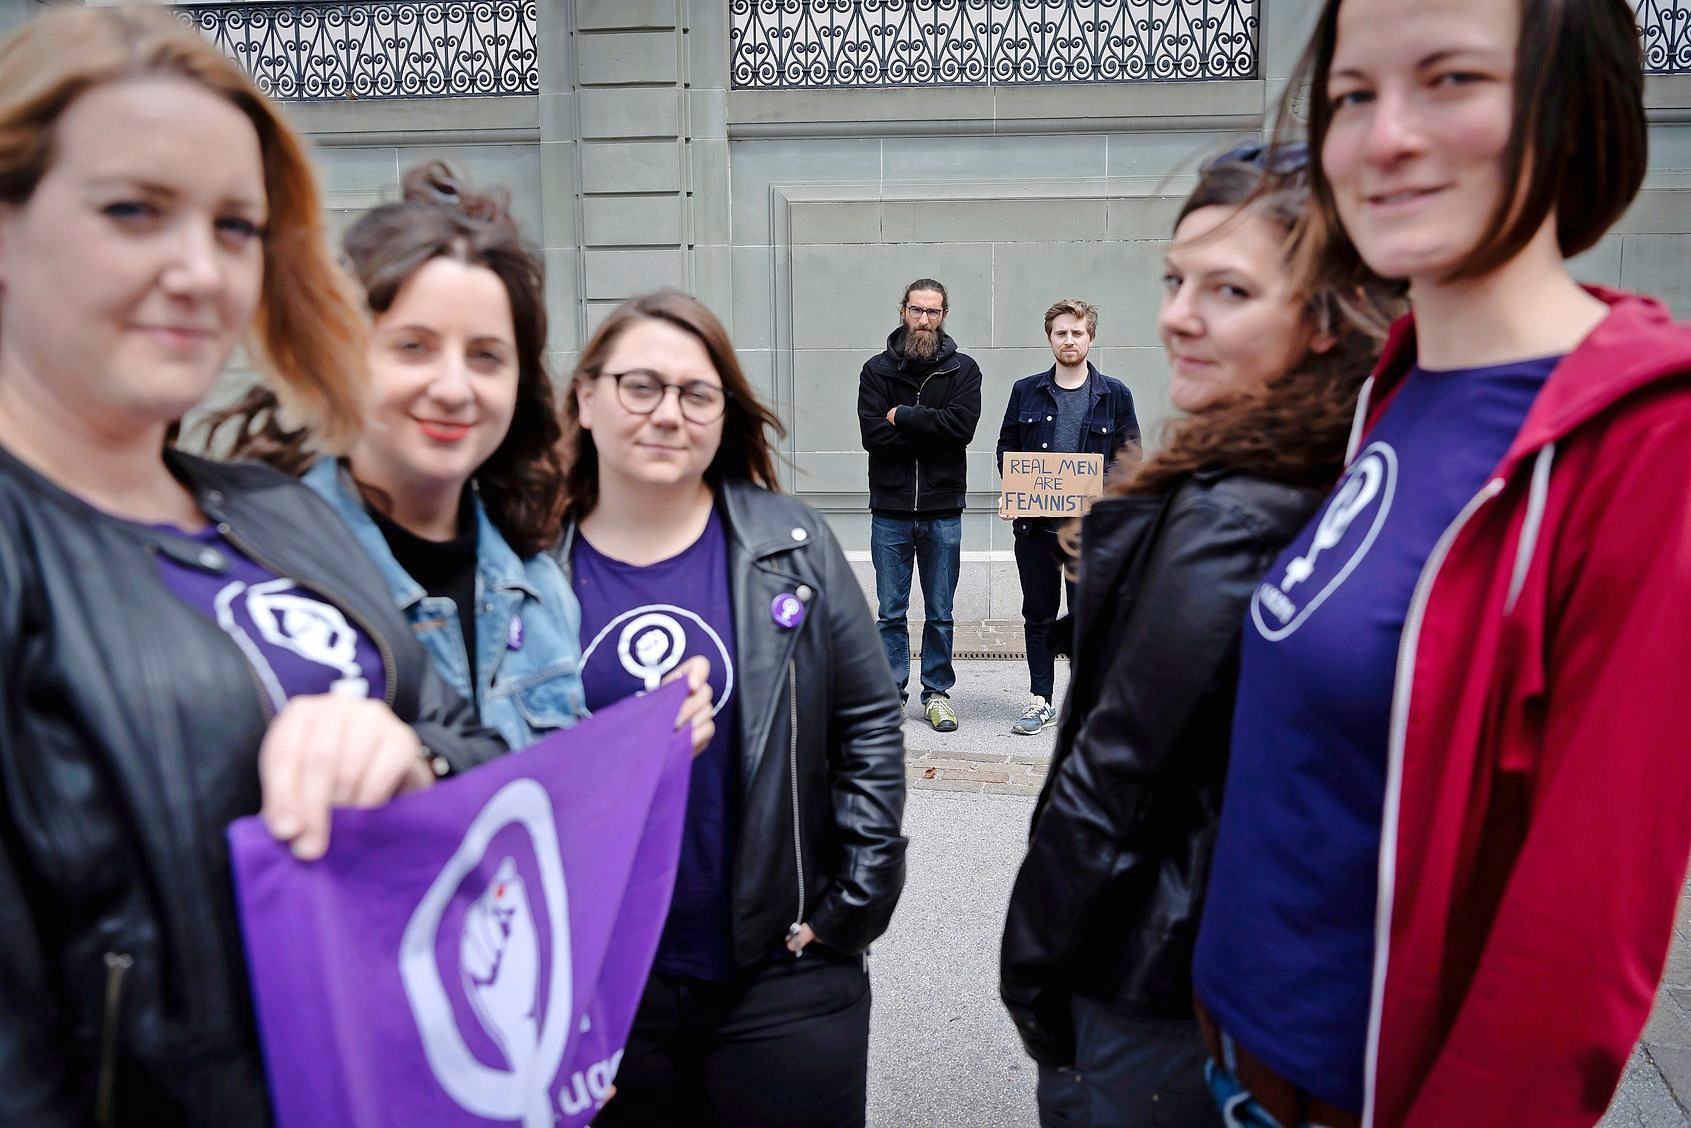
column 1281, row 160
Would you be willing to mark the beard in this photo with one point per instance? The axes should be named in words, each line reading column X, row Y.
column 1075, row 357
column 921, row 345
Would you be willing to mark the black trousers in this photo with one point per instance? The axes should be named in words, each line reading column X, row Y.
column 1040, row 561
column 1129, row 1072
column 781, row 1046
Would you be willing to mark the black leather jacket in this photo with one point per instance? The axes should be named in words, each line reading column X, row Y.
column 129, row 732
column 823, row 803
column 1107, row 901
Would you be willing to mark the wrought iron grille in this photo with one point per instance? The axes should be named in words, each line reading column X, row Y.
column 863, row 43
column 1666, row 26
column 322, row 50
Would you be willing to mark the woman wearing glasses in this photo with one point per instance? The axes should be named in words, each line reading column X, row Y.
column 1097, row 953
column 676, row 544
column 454, row 486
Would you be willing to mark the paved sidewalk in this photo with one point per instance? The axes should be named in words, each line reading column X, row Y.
column 942, row 1052
column 983, row 755
column 1656, row 1090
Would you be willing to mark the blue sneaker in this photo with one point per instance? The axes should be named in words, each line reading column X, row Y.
column 1036, row 718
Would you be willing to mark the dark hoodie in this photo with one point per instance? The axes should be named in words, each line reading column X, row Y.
column 917, row 466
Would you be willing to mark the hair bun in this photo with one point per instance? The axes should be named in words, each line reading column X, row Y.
column 436, row 182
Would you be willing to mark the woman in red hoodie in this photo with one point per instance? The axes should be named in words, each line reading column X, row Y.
column 1459, row 806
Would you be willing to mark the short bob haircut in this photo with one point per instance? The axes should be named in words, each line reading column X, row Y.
column 308, row 334
column 1577, row 149
column 746, row 452
column 1074, row 307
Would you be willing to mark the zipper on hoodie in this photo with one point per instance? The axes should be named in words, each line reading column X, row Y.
column 793, row 777
column 916, row 464
column 1403, row 682
column 117, row 968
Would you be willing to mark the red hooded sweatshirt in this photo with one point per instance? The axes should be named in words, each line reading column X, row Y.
column 1538, row 805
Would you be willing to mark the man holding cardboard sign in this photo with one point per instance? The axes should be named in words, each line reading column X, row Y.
column 1046, row 484
column 1061, row 432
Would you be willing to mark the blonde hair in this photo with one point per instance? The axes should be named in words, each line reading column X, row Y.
column 308, row 334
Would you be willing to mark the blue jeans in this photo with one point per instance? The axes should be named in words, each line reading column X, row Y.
column 934, row 547
column 1238, row 1108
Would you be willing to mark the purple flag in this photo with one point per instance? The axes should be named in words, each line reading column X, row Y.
column 472, row 954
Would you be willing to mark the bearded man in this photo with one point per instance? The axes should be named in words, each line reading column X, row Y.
column 917, row 404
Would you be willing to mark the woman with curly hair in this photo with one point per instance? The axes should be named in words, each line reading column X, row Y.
column 1097, row 951
column 454, row 486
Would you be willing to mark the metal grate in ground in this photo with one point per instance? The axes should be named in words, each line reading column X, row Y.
column 981, row 640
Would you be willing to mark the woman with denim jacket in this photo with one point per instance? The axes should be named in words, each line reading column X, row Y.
column 454, row 486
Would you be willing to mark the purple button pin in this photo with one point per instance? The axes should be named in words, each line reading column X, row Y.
column 787, row 610
column 514, row 634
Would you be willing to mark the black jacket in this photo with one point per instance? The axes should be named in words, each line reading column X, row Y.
column 824, row 845
column 1107, row 901
column 1030, row 417
column 129, row 734
column 918, row 466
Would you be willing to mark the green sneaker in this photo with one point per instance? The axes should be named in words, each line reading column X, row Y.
column 1036, row 718
column 940, row 713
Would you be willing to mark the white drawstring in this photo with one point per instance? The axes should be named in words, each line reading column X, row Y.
column 1537, row 499
column 1357, row 421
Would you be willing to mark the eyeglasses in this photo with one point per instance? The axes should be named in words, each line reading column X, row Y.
column 924, row 311
column 1281, row 160
column 640, row 391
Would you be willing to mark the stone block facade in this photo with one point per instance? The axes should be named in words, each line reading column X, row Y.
column 799, row 215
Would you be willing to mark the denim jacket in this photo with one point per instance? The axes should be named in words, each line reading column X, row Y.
column 523, row 692
column 1030, row 416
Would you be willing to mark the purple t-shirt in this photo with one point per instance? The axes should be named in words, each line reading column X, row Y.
column 295, row 642
column 1285, row 955
column 637, row 624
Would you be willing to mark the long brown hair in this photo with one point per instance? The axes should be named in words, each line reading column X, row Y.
column 1294, row 428
column 307, row 334
column 439, row 216
column 746, row 452
column 1578, row 146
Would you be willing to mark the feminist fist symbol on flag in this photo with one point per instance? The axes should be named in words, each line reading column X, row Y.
column 499, row 956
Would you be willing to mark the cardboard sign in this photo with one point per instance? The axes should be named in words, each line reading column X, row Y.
column 1041, row 484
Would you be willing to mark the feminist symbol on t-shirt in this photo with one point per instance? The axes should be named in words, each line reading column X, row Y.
column 1353, row 497
column 1341, row 538
column 289, row 620
column 652, row 640
column 651, row 646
